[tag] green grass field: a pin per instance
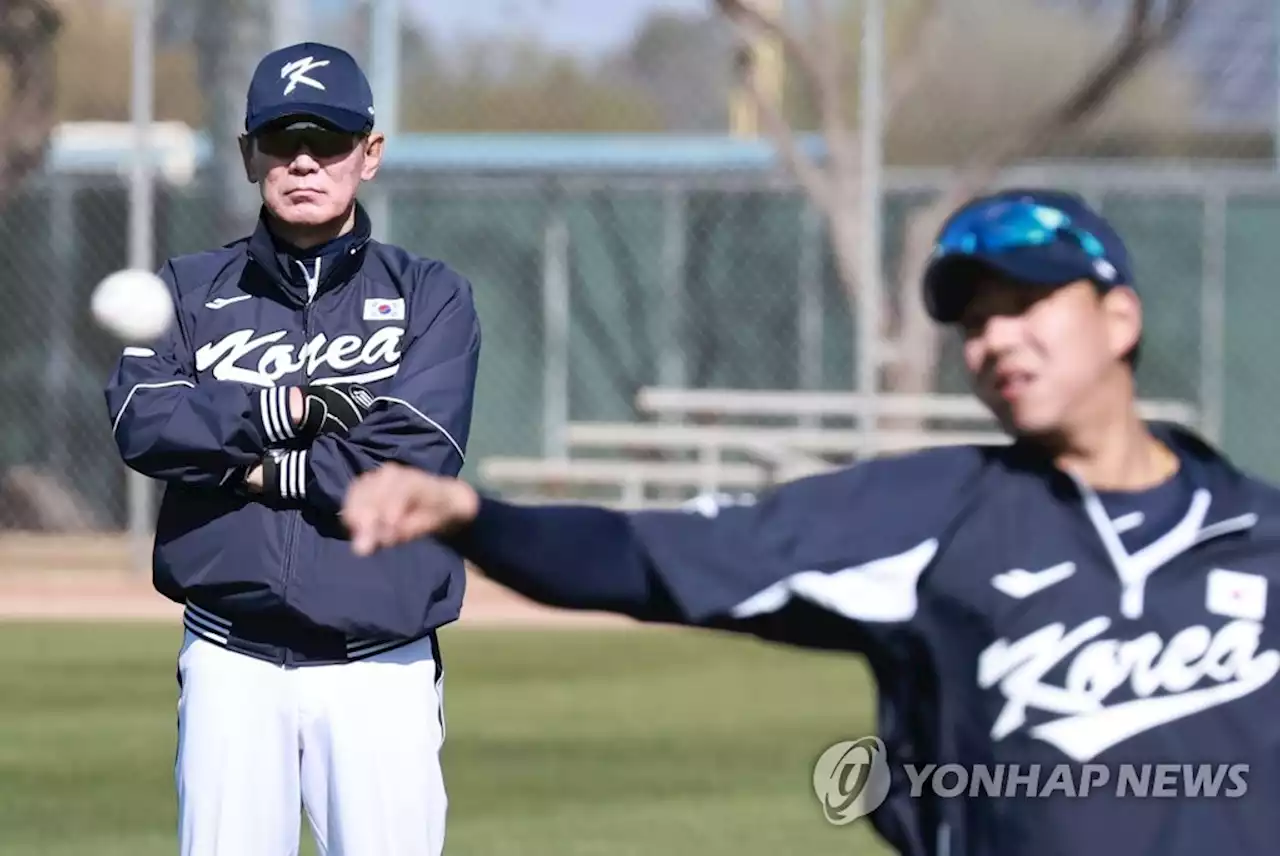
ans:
(559, 742)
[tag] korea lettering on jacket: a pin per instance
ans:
(197, 409)
(1010, 614)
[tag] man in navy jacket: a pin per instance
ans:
(1058, 617)
(303, 356)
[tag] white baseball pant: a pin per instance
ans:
(354, 745)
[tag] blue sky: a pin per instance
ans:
(581, 24)
(588, 25)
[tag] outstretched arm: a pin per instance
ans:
(573, 557)
(801, 564)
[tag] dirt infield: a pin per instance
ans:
(90, 579)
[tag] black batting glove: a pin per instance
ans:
(327, 409)
(284, 474)
(333, 408)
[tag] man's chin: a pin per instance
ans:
(303, 214)
(1032, 427)
(1020, 419)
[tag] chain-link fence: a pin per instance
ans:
(595, 279)
(590, 287)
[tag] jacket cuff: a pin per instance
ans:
(273, 415)
(284, 475)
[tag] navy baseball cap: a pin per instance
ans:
(1041, 238)
(314, 83)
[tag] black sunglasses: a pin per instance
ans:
(321, 143)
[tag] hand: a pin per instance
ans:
(297, 406)
(253, 479)
(395, 504)
(329, 408)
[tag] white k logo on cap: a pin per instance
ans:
(296, 72)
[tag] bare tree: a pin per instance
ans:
(833, 183)
(28, 29)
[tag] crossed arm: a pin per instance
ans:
(254, 480)
(173, 426)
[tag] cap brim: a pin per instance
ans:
(949, 282)
(320, 115)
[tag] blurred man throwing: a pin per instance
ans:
(1095, 593)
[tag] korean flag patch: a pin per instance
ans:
(1236, 595)
(384, 309)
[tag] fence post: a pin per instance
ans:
(64, 246)
(871, 270)
(810, 316)
(556, 294)
(1213, 316)
(141, 238)
(672, 371)
(384, 61)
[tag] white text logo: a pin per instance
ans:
(1020, 583)
(852, 779)
(297, 70)
(278, 360)
(1042, 781)
(1095, 668)
(223, 302)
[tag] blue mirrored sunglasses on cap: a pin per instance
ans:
(1024, 239)
(1002, 226)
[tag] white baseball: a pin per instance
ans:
(133, 305)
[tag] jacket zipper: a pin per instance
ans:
(295, 517)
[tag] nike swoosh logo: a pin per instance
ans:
(1019, 583)
(220, 302)
(1127, 522)
(1086, 735)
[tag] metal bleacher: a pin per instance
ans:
(689, 442)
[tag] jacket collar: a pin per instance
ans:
(263, 252)
(1233, 494)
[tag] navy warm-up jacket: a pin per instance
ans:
(278, 577)
(1006, 620)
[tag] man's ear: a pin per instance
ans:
(1123, 312)
(246, 155)
(373, 149)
